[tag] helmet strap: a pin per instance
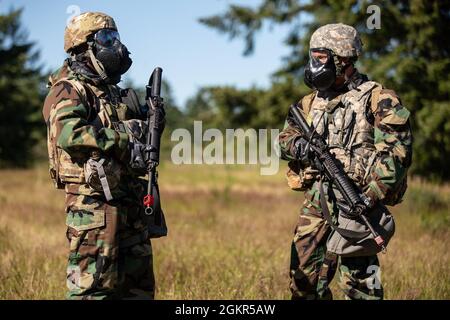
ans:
(340, 66)
(98, 66)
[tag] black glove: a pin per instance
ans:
(369, 198)
(302, 150)
(137, 155)
(161, 116)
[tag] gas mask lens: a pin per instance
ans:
(320, 55)
(106, 37)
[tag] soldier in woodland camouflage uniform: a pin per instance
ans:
(368, 131)
(93, 126)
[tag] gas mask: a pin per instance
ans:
(111, 58)
(322, 76)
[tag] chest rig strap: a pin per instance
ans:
(102, 177)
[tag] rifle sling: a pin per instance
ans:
(326, 213)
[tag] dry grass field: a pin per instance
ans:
(229, 237)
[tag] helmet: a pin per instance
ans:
(80, 27)
(340, 38)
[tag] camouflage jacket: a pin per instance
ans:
(368, 131)
(81, 118)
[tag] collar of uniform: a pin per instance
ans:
(333, 104)
(355, 80)
(81, 69)
(354, 83)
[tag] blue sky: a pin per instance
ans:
(162, 33)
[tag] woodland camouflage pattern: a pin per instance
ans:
(374, 147)
(342, 39)
(80, 27)
(100, 266)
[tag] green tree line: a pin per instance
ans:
(409, 53)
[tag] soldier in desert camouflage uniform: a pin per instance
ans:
(367, 129)
(92, 127)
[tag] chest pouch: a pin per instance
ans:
(102, 175)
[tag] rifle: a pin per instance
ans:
(356, 203)
(154, 101)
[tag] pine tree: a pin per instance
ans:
(21, 124)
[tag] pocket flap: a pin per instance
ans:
(84, 220)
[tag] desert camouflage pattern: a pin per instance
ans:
(342, 39)
(110, 252)
(349, 134)
(300, 177)
(373, 141)
(80, 27)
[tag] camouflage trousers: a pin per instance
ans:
(312, 267)
(108, 258)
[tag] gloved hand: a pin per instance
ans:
(137, 155)
(302, 153)
(159, 114)
(136, 130)
(369, 197)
